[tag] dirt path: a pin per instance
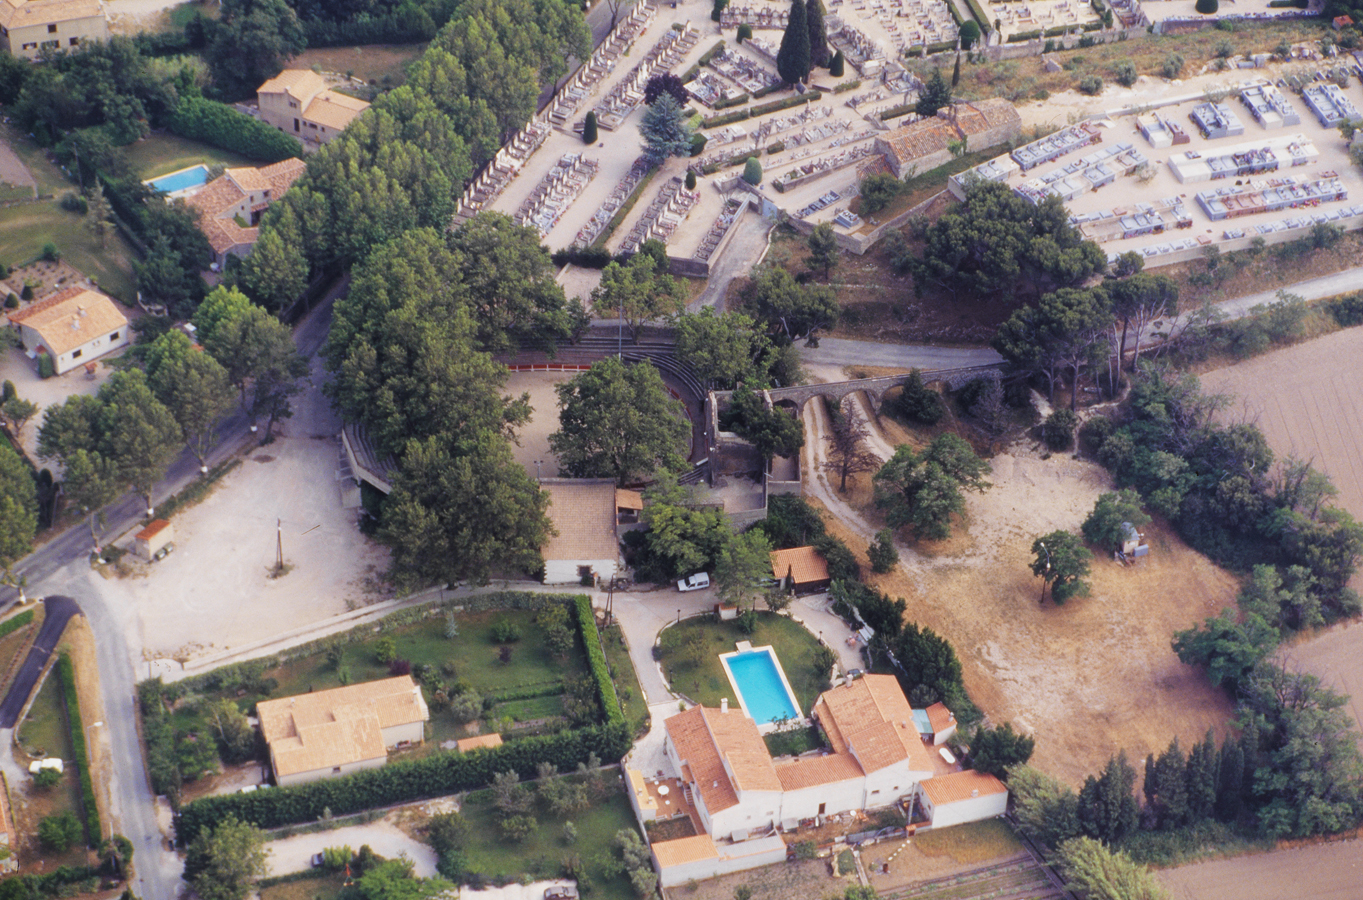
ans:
(1323, 872)
(1087, 679)
(13, 171)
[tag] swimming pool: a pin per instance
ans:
(761, 685)
(178, 181)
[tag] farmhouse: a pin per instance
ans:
(800, 569)
(342, 730)
(74, 326)
(927, 143)
(584, 513)
(298, 101)
(28, 27)
(962, 797)
(231, 205)
(724, 778)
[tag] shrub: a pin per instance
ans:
(1207, 7)
(223, 127)
(385, 651)
(752, 171)
(589, 128)
(47, 778)
(504, 631)
(920, 403)
(50, 252)
(1173, 66)
(12, 301)
(73, 202)
(744, 32)
(877, 191)
(58, 833)
(46, 367)
(1124, 73)
(1058, 430)
(882, 552)
(838, 66)
(596, 660)
(1091, 85)
(690, 180)
(27, 292)
(67, 673)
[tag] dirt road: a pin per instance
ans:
(1322, 872)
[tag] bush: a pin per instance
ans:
(27, 292)
(385, 651)
(690, 180)
(1124, 73)
(920, 403)
(1207, 7)
(589, 128)
(51, 253)
(12, 301)
(596, 660)
(223, 127)
(752, 171)
(67, 674)
(1173, 66)
(744, 32)
(73, 202)
(504, 631)
(46, 367)
(877, 191)
(1091, 85)
(838, 66)
(1058, 430)
(1347, 310)
(58, 833)
(884, 557)
(47, 778)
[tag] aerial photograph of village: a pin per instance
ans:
(681, 449)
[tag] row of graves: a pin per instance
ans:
(601, 64)
(614, 202)
(626, 96)
(483, 190)
(670, 207)
(1042, 15)
(557, 191)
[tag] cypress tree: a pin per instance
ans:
(838, 66)
(1171, 787)
(1202, 779)
(956, 72)
(792, 60)
(589, 128)
(1230, 782)
(818, 34)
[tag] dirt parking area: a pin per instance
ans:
(1321, 872)
(216, 591)
(532, 438)
(1089, 678)
(294, 854)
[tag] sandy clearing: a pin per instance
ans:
(532, 438)
(1089, 678)
(1331, 871)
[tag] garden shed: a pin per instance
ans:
(152, 538)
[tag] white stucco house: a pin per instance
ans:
(584, 515)
(342, 730)
(74, 326)
(298, 102)
(959, 797)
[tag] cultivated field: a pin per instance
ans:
(1087, 679)
(1321, 872)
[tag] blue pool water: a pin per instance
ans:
(178, 181)
(760, 686)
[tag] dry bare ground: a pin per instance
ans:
(1087, 679)
(1321, 872)
(79, 639)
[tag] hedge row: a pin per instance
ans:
(764, 109)
(769, 89)
(1022, 36)
(986, 23)
(57, 883)
(66, 674)
(529, 692)
(731, 101)
(895, 112)
(847, 86)
(225, 128)
(404, 781)
(596, 658)
(9, 626)
(690, 74)
(397, 28)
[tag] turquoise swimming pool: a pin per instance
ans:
(178, 181)
(761, 685)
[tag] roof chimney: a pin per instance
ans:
(724, 705)
(80, 310)
(975, 792)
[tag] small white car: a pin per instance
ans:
(696, 582)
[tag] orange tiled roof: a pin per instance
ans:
(152, 530)
(582, 512)
(301, 84)
(983, 115)
(939, 717)
(70, 318)
(334, 110)
(482, 740)
(685, 850)
(805, 564)
(24, 13)
(919, 139)
(812, 771)
(957, 786)
(706, 738)
(872, 718)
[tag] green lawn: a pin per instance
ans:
(541, 855)
(970, 844)
(24, 229)
(323, 887)
(46, 732)
(159, 154)
(51, 179)
(706, 683)
(625, 678)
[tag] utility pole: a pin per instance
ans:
(279, 545)
(1045, 575)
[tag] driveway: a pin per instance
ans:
(58, 611)
(294, 854)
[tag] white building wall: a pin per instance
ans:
(733, 858)
(970, 810)
(79, 356)
(413, 732)
(887, 785)
(755, 809)
(565, 571)
(838, 797)
(333, 772)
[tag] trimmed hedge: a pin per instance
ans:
(755, 111)
(731, 101)
(596, 658)
(895, 112)
(847, 86)
(1022, 36)
(986, 23)
(66, 673)
(225, 128)
(397, 28)
(406, 780)
(769, 89)
(9, 626)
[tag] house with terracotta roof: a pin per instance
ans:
(28, 27)
(342, 730)
(958, 797)
(585, 544)
(74, 326)
(230, 206)
(298, 102)
(926, 143)
(800, 569)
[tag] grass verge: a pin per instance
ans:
(970, 844)
(162, 153)
(626, 679)
(25, 228)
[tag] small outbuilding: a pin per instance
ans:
(152, 538)
(960, 797)
(1133, 542)
(941, 723)
(73, 326)
(800, 569)
(586, 545)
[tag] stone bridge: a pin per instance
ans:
(875, 388)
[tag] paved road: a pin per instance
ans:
(843, 352)
(58, 611)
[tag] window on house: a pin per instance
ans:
(52, 29)
(77, 354)
(30, 46)
(75, 42)
(114, 336)
(336, 770)
(51, 45)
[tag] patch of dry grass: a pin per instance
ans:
(970, 844)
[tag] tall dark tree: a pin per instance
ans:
(1230, 782)
(1202, 763)
(793, 59)
(772, 432)
(1062, 561)
(665, 83)
(1107, 805)
(819, 54)
(250, 43)
(935, 95)
(996, 750)
(847, 452)
(1171, 787)
(924, 490)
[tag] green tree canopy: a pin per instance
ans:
(1065, 330)
(1095, 872)
(724, 349)
(192, 385)
(275, 272)
(640, 291)
(258, 354)
(1104, 527)
(772, 432)
(18, 506)
(790, 309)
(681, 536)
(223, 863)
(1062, 561)
(823, 243)
(935, 95)
(819, 54)
(997, 750)
(250, 42)
(1046, 809)
(924, 490)
(793, 58)
(618, 421)
(664, 129)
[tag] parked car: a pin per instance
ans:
(165, 551)
(317, 860)
(696, 582)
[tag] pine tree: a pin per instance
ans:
(956, 72)
(1202, 779)
(1230, 782)
(936, 94)
(818, 34)
(1171, 787)
(1107, 807)
(792, 60)
(838, 67)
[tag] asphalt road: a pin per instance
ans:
(842, 352)
(59, 611)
